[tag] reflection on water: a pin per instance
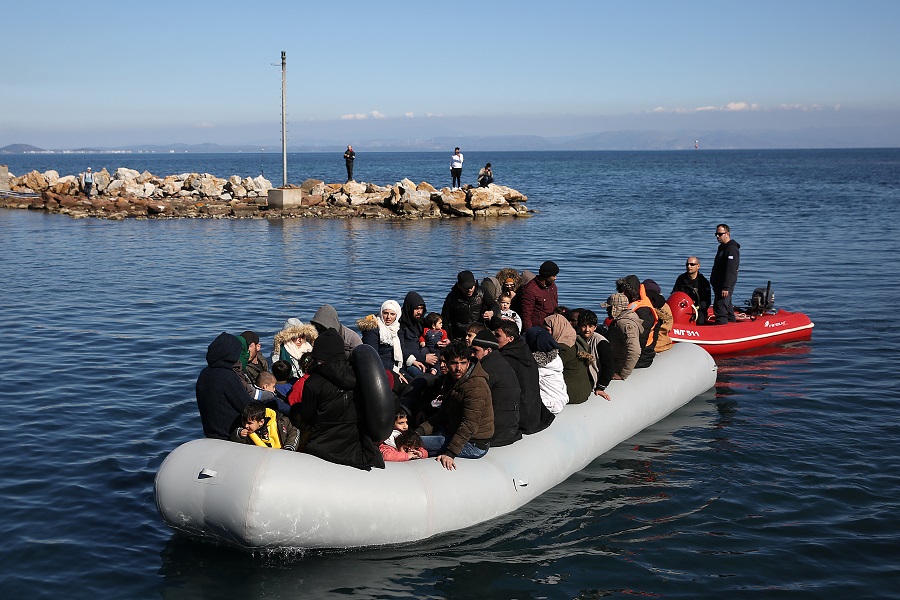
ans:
(782, 478)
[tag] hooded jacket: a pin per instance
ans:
(328, 417)
(460, 311)
(533, 415)
(411, 329)
(327, 318)
(221, 395)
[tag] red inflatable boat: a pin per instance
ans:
(752, 329)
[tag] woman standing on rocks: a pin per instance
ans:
(456, 163)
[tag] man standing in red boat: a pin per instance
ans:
(724, 274)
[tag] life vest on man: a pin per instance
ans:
(644, 302)
(273, 440)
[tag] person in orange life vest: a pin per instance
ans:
(638, 302)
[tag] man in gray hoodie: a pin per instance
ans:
(327, 318)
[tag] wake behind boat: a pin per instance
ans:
(256, 498)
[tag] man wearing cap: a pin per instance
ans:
(624, 335)
(505, 391)
(87, 182)
(466, 304)
(540, 297)
(464, 424)
(256, 363)
(327, 416)
(693, 283)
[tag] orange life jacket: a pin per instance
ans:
(641, 303)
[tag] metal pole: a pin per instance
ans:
(284, 119)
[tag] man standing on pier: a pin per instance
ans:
(349, 157)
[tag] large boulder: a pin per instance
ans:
(125, 174)
(313, 187)
(352, 188)
(34, 181)
(508, 193)
(481, 198)
(454, 202)
(261, 185)
(51, 176)
(101, 180)
(208, 186)
(418, 200)
(68, 185)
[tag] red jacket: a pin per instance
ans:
(538, 303)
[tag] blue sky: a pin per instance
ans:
(116, 73)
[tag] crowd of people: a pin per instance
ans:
(498, 362)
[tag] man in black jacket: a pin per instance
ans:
(505, 390)
(533, 415)
(693, 283)
(467, 303)
(724, 274)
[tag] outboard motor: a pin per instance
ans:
(762, 300)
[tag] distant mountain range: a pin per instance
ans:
(824, 137)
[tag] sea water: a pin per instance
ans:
(782, 481)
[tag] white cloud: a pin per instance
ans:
(741, 107)
(203, 125)
(363, 116)
(409, 115)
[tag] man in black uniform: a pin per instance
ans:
(724, 274)
(693, 283)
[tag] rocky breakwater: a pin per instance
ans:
(130, 194)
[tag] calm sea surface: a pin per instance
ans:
(783, 481)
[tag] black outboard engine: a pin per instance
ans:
(762, 300)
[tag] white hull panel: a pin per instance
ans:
(255, 498)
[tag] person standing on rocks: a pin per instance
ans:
(87, 182)
(349, 157)
(456, 163)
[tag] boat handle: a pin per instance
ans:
(206, 474)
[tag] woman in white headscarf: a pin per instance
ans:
(381, 331)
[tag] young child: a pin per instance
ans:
(267, 382)
(507, 313)
(435, 336)
(284, 379)
(296, 394)
(401, 446)
(263, 426)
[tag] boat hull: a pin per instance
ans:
(778, 328)
(256, 498)
(746, 334)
